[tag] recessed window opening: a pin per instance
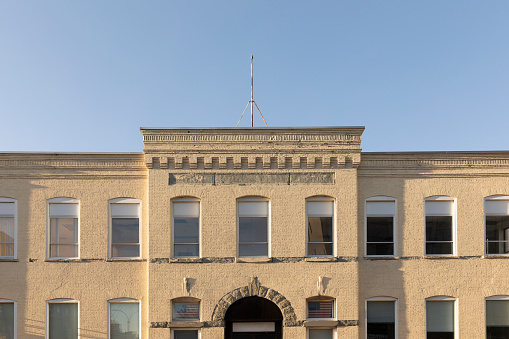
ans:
(440, 318)
(125, 228)
(253, 227)
(320, 226)
(185, 333)
(381, 318)
(62, 321)
(124, 317)
(497, 224)
(320, 308)
(439, 225)
(8, 221)
(321, 333)
(186, 227)
(7, 319)
(380, 226)
(186, 309)
(63, 228)
(497, 317)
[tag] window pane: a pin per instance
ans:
(321, 309)
(186, 230)
(439, 207)
(7, 208)
(64, 251)
(381, 319)
(63, 210)
(64, 230)
(440, 316)
(125, 230)
(182, 334)
(186, 311)
(320, 229)
(380, 229)
(320, 208)
(63, 320)
(500, 207)
(186, 209)
(253, 250)
(254, 209)
(439, 248)
(497, 313)
(439, 228)
(125, 210)
(380, 207)
(319, 249)
(380, 249)
(253, 229)
(7, 320)
(7, 236)
(186, 250)
(320, 334)
(124, 320)
(497, 234)
(125, 251)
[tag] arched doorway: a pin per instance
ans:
(253, 318)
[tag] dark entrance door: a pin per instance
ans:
(253, 318)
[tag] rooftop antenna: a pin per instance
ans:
(252, 102)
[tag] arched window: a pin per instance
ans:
(63, 228)
(380, 226)
(62, 319)
(497, 317)
(8, 228)
(253, 227)
(440, 225)
(381, 317)
(441, 317)
(320, 226)
(186, 227)
(125, 235)
(124, 318)
(496, 210)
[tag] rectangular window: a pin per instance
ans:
(63, 229)
(186, 228)
(253, 223)
(439, 227)
(381, 319)
(185, 334)
(7, 228)
(125, 229)
(497, 225)
(62, 320)
(7, 320)
(327, 333)
(380, 228)
(124, 320)
(320, 224)
(320, 309)
(497, 319)
(186, 311)
(440, 319)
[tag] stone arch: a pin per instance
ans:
(254, 289)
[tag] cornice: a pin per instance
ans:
(421, 161)
(72, 161)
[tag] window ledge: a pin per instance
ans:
(62, 260)
(8, 260)
(496, 256)
(320, 259)
(253, 260)
(320, 323)
(441, 257)
(125, 260)
(186, 324)
(380, 258)
(185, 260)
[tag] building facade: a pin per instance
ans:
(254, 233)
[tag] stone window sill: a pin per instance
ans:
(320, 323)
(321, 259)
(253, 260)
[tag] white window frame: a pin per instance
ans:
(7, 301)
(172, 336)
(394, 224)
(128, 301)
(444, 298)
(48, 222)
(495, 297)
(110, 221)
(334, 330)
(322, 198)
(317, 298)
(10, 200)
(61, 301)
(454, 227)
(254, 199)
(185, 200)
(486, 200)
(375, 299)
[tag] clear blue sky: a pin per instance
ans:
(79, 76)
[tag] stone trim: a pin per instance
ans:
(218, 179)
(231, 260)
(254, 288)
